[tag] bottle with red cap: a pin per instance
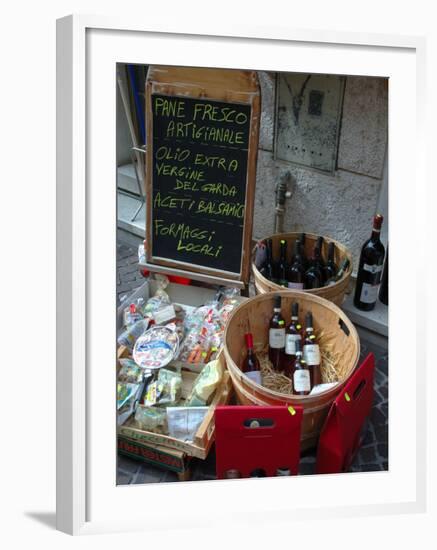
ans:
(250, 366)
(370, 269)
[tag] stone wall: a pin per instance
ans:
(340, 205)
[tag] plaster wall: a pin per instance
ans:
(340, 205)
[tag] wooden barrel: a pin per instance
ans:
(334, 293)
(253, 316)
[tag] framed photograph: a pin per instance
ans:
(210, 185)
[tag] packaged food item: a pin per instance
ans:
(159, 300)
(194, 321)
(151, 419)
(226, 310)
(205, 385)
(195, 346)
(126, 394)
(165, 390)
(162, 281)
(177, 325)
(132, 313)
(141, 253)
(132, 333)
(130, 372)
(156, 347)
(183, 422)
(230, 302)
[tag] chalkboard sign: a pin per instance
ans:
(198, 153)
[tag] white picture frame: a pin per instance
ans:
(88, 500)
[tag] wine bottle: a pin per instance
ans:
(313, 275)
(268, 269)
(311, 351)
(341, 271)
(302, 240)
(383, 291)
(250, 366)
(330, 268)
(318, 257)
(370, 268)
(282, 265)
(292, 334)
(296, 270)
(277, 336)
(301, 374)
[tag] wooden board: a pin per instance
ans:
(202, 136)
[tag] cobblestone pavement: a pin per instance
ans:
(372, 456)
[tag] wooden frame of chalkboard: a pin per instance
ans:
(202, 145)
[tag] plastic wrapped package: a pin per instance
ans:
(194, 321)
(132, 313)
(183, 422)
(157, 302)
(151, 419)
(177, 325)
(126, 394)
(130, 335)
(229, 303)
(141, 254)
(194, 345)
(205, 385)
(165, 390)
(130, 372)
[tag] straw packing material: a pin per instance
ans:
(332, 369)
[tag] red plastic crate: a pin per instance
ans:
(251, 438)
(340, 437)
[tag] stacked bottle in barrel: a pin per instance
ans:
(303, 273)
(293, 350)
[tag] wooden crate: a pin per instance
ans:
(158, 455)
(205, 435)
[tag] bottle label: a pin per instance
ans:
(290, 343)
(372, 274)
(301, 380)
(369, 293)
(277, 338)
(298, 286)
(254, 375)
(311, 354)
(372, 268)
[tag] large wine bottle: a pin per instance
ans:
(296, 270)
(370, 268)
(277, 336)
(314, 276)
(311, 351)
(250, 365)
(330, 269)
(282, 265)
(268, 269)
(292, 333)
